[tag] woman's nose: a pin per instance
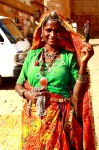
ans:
(53, 34)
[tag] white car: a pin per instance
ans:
(13, 48)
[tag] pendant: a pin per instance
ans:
(43, 82)
(36, 63)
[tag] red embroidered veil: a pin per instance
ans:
(73, 42)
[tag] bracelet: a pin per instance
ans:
(21, 92)
(31, 92)
(80, 81)
(82, 78)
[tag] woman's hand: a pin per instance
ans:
(32, 96)
(87, 52)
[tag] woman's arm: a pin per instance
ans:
(87, 53)
(19, 88)
(29, 95)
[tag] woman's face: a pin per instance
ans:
(52, 33)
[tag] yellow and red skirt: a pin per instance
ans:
(57, 130)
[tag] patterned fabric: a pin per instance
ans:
(57, 130)
(73, 42)
(59, 135)
(10, 131)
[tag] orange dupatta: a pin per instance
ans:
(73, 42)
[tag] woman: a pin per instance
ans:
(52, 81)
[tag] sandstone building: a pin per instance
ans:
(24, 12)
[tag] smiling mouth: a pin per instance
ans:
(53, 40)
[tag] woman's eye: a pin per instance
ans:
(48, 30)
(58, 31)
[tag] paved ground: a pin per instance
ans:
(94, 71)
(11, 103)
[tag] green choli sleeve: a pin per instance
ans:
(23, 75)
(24, 72)
(63, 73)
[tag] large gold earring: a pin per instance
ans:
(42, 38)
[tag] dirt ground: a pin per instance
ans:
(11, 103)
(94, 72)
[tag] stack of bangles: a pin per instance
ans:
(82, 78)
(31, 92)
(21, 92)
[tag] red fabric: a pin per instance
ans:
(58, 129)
(72, 41)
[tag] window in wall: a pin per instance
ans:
(37, 14)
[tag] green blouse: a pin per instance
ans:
(61, 77)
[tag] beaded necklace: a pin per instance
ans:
(49, 56)
(45, 55)
(44, 69)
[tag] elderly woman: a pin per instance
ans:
(53, 81)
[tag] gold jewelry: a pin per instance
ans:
(80, 81)
(21, 92)
(82, 78)
(42, 38)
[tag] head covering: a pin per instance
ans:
(72, 41)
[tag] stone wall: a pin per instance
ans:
(22, 14)
(62, 6)
(18, 5)
(83, 10)
(80, 11)
(27, 2)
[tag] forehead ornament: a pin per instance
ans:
(53, 15)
